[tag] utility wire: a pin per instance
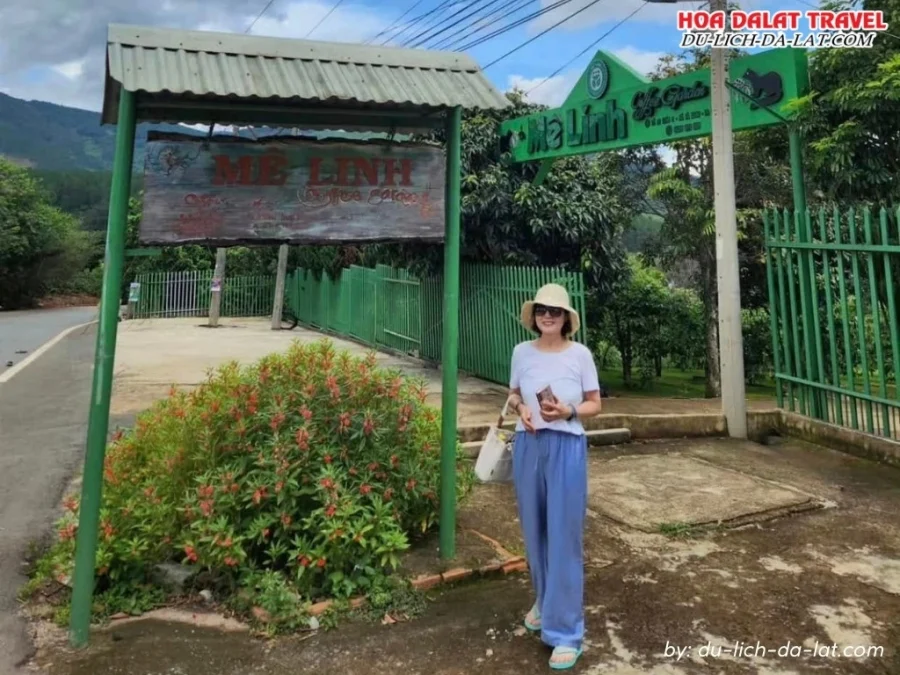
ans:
(543, 32)
(395, 22)
(475, 10)
(448, 43)
(484, 22)
(585, 50)
(515, 24)
(433, 25)
(322, 20)
(434, 12)
(259, 16)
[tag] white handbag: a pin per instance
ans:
(494, 464)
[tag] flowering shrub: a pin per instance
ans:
(312, 463)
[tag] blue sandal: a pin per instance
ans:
(564, 651)
(533, 619)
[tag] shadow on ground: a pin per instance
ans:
(806, 558)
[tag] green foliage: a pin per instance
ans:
(633, 319)
(307, 474)
(41, 247)
(575, 219)
(849, 119)
(648, 326)
(757, 340)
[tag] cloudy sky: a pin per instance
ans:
(53, 50)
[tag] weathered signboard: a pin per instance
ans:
(227, 190)
(613, 107)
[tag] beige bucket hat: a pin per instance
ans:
(550, 295)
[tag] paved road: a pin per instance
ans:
(43, 426)
(27, 330)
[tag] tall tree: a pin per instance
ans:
(41, 247)
(686, 192)
(850, 118)
(575, 218)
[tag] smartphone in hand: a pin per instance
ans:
(546, 395)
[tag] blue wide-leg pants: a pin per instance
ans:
(550, 475)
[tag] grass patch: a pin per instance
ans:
(677, 530)
(675, 383)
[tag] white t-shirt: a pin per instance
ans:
(569, 373)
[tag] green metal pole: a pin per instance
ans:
(806, 270)
(98, 420)
(450, 351)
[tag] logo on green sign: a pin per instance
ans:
(598, 79)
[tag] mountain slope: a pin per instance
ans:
(57, 138)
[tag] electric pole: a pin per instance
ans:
(731, 342)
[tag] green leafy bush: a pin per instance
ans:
(313, 464)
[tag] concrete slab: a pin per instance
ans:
(649, 491)
(153, 354)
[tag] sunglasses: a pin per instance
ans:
(555, 312)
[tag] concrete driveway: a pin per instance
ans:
(21, 333)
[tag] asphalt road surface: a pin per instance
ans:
(43, 423)
(23, 332)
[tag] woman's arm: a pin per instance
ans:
(515, 400)
(591, 406)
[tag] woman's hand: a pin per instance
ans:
(525, 416)
(553, 411)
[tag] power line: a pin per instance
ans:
(394, 22)
(438, 9)
(543, 32)
(474, 11)
(259, 16)
(585, 50)
(322, 20)
(515, 24)
(448, 41)
(456, 13)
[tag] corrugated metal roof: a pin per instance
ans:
(204, 65)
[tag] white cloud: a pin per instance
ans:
(553, 91)
(63, 41)
(608, 10)
(642, 61)
(70, 69)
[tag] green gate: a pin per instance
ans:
(833, 288)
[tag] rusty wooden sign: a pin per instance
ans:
(228, 190)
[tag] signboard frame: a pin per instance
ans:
(228, 190)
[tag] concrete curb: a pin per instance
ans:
(6, 376)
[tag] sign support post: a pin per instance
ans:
(731, 342)
(450, 349)
(281, 273)
(101, 390)
(215, 302)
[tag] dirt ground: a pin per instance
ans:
(801, 561)
(151, 355)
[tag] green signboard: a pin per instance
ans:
(614, 107)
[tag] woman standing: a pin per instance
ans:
(550, 465)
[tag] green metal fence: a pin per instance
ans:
(833, 288)
(174, 294)
(388, 308)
